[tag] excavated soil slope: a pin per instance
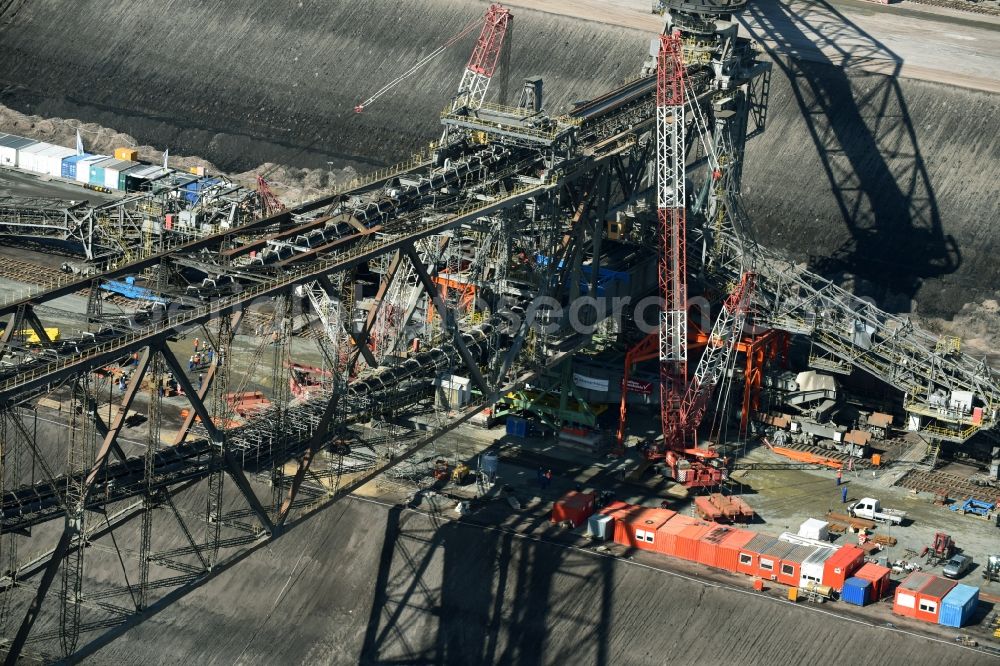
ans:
(892, 177)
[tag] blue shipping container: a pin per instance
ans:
(517, 426)
(856, 591)
(958, 606)
(69, 165)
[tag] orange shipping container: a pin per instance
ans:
(727, 555)
(879, 577)
(750, 553)
(613, 507)
(687, 541)
(708, 545)
(129, 154)
(842, 566)
(638, 528)
(575, 507)
(770, 559)
(930, 596)
(666, 536)
(905, 601)
(790, 569)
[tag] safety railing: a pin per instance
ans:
(941, 432)
(490, 125)
(385, 173)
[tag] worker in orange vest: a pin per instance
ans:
(840, 476)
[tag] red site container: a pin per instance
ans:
(749, 557)
(638, 527)
(879, 578)
(687, 541)
(575, 507)
(905, 601)
(666, 536)
(930, 596)
(842, 566)
(727, 553)
(790, 568)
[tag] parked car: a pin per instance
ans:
(957, 566)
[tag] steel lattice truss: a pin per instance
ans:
(455, 237)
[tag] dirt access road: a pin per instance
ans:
(905, 39)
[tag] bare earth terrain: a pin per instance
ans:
(912, 40)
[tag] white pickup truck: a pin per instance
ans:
(870, 508)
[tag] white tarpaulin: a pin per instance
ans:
(590, 383)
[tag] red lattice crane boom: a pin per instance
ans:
(670, 202)
(484, 59)
(269, 203)
(480, 68)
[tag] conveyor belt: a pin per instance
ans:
(614, 100)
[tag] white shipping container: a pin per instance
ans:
(9, 147)
(83, 167)
(110, 176)
(52, 160)
(811, 570)
(27, 158)
(813, 528)
(42, 160)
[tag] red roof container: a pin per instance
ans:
(727, 555)
(687, 541)
(749, 558)
(638, 527)
(789, 570)
(666, 536)
(930, 596)
(842, 566)
(879, 578)
(575, 507)
(708, 545)
(614, 507)
(905, 601)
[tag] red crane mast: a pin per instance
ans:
(670, 202)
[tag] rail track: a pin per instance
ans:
(949, 485)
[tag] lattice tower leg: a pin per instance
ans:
(155, 376)
(213, 508)
(82, 438)
(280, 397)
(13, 446)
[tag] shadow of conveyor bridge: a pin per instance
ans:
(471, 593)
(865, 139)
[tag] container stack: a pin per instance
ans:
(121, 173)
(737, 550)
(934, 599)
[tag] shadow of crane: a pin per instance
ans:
(864, 137)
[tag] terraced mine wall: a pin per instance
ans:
(890, 180)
